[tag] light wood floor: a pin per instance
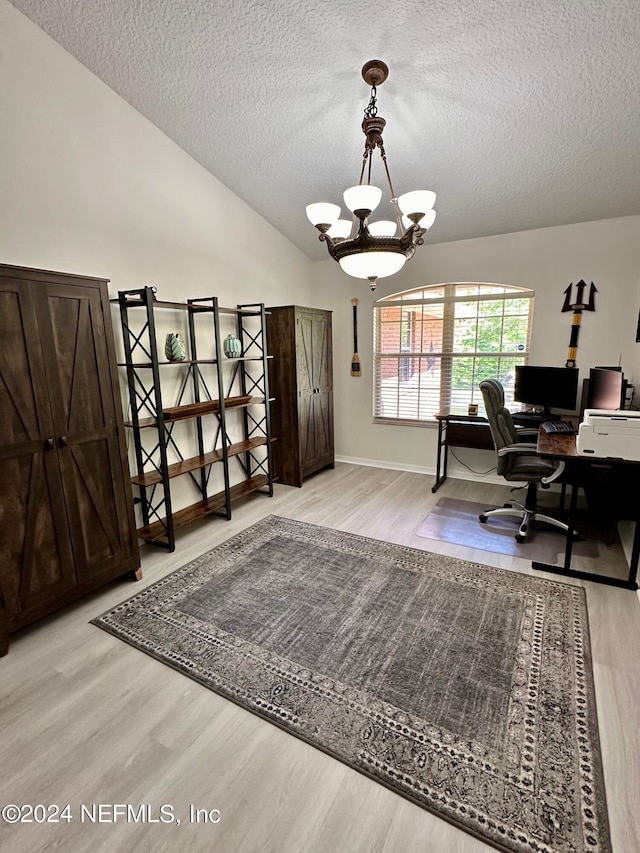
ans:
(84, 718)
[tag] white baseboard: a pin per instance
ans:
(454, 474)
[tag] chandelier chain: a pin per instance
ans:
(371, 109)
(365, 157)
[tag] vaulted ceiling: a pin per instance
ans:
(518, 113)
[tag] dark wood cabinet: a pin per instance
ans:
(66, 516)
(301, 381)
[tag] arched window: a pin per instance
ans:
(433, 345)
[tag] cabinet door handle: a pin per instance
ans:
(49, 443)
(62, 441)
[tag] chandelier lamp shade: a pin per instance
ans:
(363, 247)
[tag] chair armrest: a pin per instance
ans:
(555, 475)
(521, 447)
(527, 434)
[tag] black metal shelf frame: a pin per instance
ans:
(254, 376)
(145, 398)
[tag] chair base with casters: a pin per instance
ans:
(527, 513)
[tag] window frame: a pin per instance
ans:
(447, 297)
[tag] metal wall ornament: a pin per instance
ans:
(577, 307)
(366, 249)
(356, 369)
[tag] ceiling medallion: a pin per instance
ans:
(366, 249)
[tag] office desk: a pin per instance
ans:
(577, 473)
(469, 431)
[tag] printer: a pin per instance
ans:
(608, 433)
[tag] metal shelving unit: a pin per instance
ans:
(206, 400)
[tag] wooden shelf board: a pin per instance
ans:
(246, 487)
(143, 423)
(197, 308)
(206, 407)
(196, 462)
(193, 361)
(160, 363)
(163, 303)
(198, 510)
(244, 358)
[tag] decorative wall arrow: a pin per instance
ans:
(577, 307)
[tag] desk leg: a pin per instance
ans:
(571, 521)
(635, 555)
(442, 442)
(567, 571)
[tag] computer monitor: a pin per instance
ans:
(546, 387)
(606, 388)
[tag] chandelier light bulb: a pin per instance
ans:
(362, 197)
(323, 213)
(372, 264)
(382, 228)
(426, 222)
(340, 230)
(417, 201)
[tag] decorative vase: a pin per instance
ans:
(174, 347)
(232, 347)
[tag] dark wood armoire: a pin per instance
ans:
(66, 514)
(301, 381)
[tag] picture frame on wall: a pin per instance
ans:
(638, 329)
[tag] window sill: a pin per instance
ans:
(430, 424)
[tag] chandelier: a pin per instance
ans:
(366, 249)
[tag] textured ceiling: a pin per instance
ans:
(518, 113)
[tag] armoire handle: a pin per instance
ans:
(62, 441)
(49, 442)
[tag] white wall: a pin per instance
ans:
(87, 185)
(546, 260)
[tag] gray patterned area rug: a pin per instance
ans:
(465, 688)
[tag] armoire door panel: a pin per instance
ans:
(24, 413)
(323, 375)
(304, 354)
(92, 506)
(306, 427)
(70, 318)
(324, 424)
(71, 321)
(37, 560)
